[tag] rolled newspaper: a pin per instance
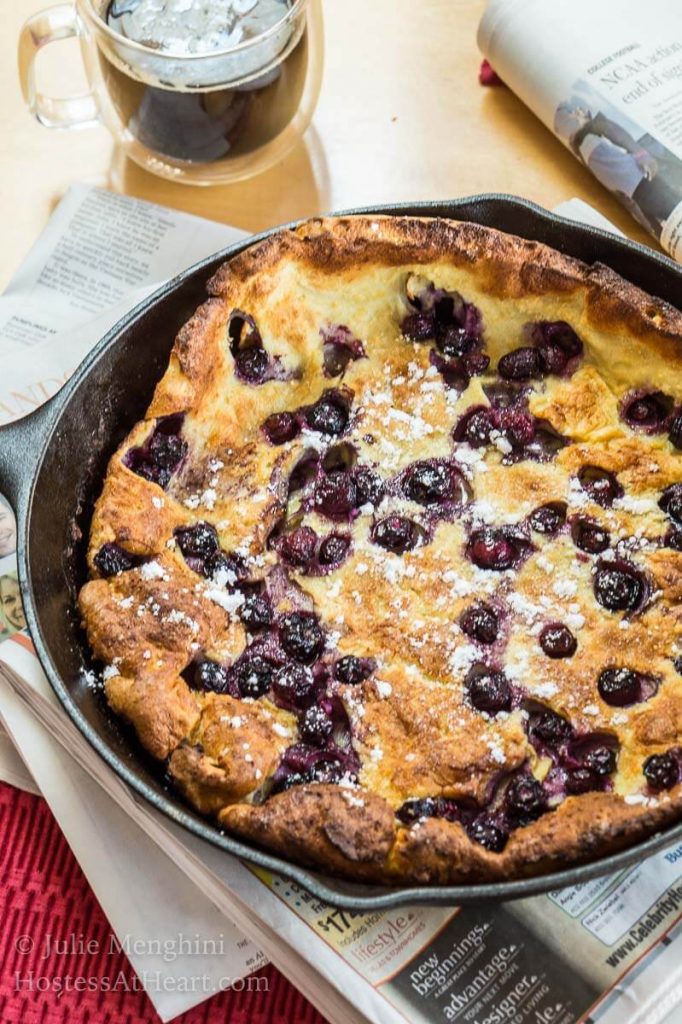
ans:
(606, 78)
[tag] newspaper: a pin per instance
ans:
(606, 78)
(607, 951)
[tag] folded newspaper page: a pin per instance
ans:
(606, 951)
(606, 78)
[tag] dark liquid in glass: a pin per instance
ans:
(200, 125)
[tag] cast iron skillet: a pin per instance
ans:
(52, 464)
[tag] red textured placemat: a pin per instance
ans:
(43, 891)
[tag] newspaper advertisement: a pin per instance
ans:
(606, 78)
(606, 951)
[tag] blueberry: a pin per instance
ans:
(281, 427)
(673, 539)
(524, 800)
(418, 326)
(675, 433)
(453, 370)
(148, 471)
(396, 533)
(475, 426)
(340, 347)
(475, 363)
(301, 636)
(251, 364)
(581, 780)
(557, 641)
(298, 547)
(480, 622)
(253, 675)
(227, 568)
(198, 541)
(255, 613)
(335, 359)
(250, 358)
(647, 412)
(517, 425)
(677, 665)
(287, 780)
(315, 726)
(601, 485)
(590, 536)
(335, 495)
(293, 684)
(619, 586)
(334, 549)
(210, 677)
(300, 758)
(548, 519)
(559, 334)
(488, 835)
(671, 502)
(427, 483)
(431, 483)
(369, 486)
(601, 760)
(661, 771)
(112, 559)
(329, 415)
(330, 770)
(620, 687)
(160, 456)
(520, 364)
(553, 359)
(352, 670)
(492, 548)
(414, 810)
(167, 450)
(550, 728)
(454, 341)
(488, 690)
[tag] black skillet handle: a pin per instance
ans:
(21, 444)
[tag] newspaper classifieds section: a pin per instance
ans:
(610, 929)
(610, 908)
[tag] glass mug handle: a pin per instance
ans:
(59, 22)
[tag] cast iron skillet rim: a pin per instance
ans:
(376, 897)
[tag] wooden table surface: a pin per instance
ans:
(401, 117)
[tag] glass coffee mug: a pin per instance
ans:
(199, 118)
